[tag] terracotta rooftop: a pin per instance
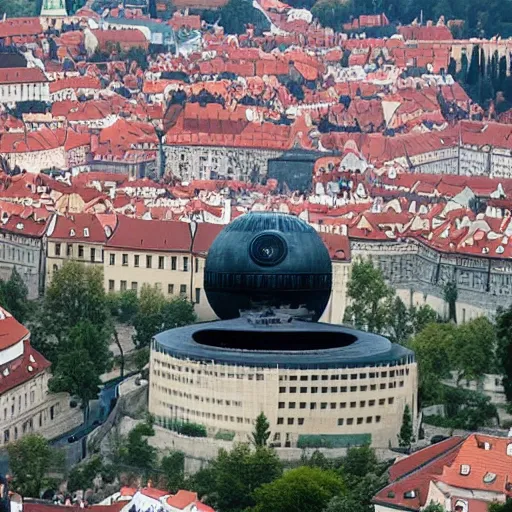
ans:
(21, 75)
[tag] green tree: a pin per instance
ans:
(236, 14)
(261, 431)
(230, 480)
(369, 297)
(14, 296)
(462, 75)
(405, 437)
(331, 13)
(475, 348)
(30, 460)
(173, 469)
(304, 488)
(81, 477)
(135, 452)
(451, 295)
(452, 67)
(434, 348)
(504, 348)
(422, 316)
(358, 462)
(138, 55)
(156, 314)
(399, 325)
(434, 507)
(496, 506)
(502, 72)
(474, 66)
(76, 294)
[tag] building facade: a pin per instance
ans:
(26, 405)
(23, 84)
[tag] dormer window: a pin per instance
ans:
(465, 469)
(86, 232)
(410, 495)
(489, 478)
(6, 372)
(72, 232)
(509, 449)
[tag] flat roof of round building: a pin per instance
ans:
(291, 345)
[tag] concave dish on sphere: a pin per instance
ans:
(267, 260)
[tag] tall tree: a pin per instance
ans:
(434, 348)
(304, 488)
(475, 348)
(31, 459)
(400, 327)
(173, 469)
(451, 295)
(405, 437)
(452, 67)
(331, 13)
(14, 296)
(422, 316)
(474, 66)
(496, 506)
(504, 352)
(369, 297)
(261, 431)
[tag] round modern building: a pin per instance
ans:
(318, 384)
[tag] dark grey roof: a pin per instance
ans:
(367, 349)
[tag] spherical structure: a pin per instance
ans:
(267, 259)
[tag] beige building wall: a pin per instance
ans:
(366, 400)
(31, 408)
(335, 309)
(59, 251)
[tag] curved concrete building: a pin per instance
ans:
(318, 384)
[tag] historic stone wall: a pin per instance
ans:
(417, 271)
(206, 162)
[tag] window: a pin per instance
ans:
(290, 421)
(198, 295)
(314, 377)
(334, 390)
(80, 251)
(391, 400)
(343, 405)
(291, 405)
(293, 390)
(183, 289)
(350, 421)
(55, 268)
(185, 263)
(377, 419)
(112, 259)
(160, 262)
(371, 403)
(382, 401)
(303, 377)
(57, 249)
(52, 412)
(303, 390)
(149, 261)
(125, 260)
(93, 254)
(111, 285)
(69, 250)
(340, 422)
(323, 405)
(282, 389)
(280, 421)
(352, 404)
(333, 405)
(312, 405)
(300, 421)
(343, 389)
(353, 389)
(6, 436)
(134, 286)
(325, 377)
(197, 265)
(314, 390)
(170, 289)
(173, 262)
(359, 421)
(281, 405)
(465, 469)
(363, 388)
(324, 390)
(136, 260)
(383, 386)
(123, 286)
(353, 376)
(362, 403)
(302, 405)
(369, 419)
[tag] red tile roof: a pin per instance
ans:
(76, 82)
(204, 237)
(20, 27)
(11, 331)
(151, 235)
(22, 369)
(21, 76)
(337, 245)
(182, 499)
(73, 228)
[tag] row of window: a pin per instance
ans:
(341, 389)
(187, 413)
(160, 262)
(134, 285)
(81, 252)
(334, 405)
(344, 376)
(15, 254)
(341, 421)
(213, 401)
(177, 378)
(28, 426)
